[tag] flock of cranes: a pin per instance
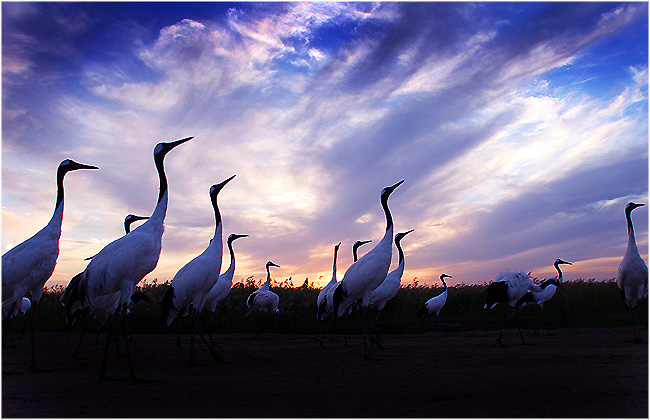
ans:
(105, 289)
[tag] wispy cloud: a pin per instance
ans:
(316, 107)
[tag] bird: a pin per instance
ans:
(220, 290)
(73, 298)
(112, 274)
(369, 271)
(28, 265)
(391, 284)
(436, 303)
(192, 283)
(323, 305)
(508, 287)
(356, 246)
(263, 300)
(632, 276)
(549, 287)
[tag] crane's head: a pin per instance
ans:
(389, 190)
(271, 264)
(357, 244)
(336, 247)
(631, 206)
(561, 261)
(163, 148)
(401, 235)
(68, 165)
(443, 275)
(234, 236)
(214, 190)
(129, 219)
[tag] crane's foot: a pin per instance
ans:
(499, 343)
(75, 356)
(370, 359)
(381, 347)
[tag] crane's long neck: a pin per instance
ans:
(445, 283)
(159, 213)
(267, 284)
(631, 241)
(354, 252)
(56, 221)
(559, 272)
(389, 218)
(336, 251)
(217, 220)
(231, 267)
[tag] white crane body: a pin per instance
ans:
(30, 264)
(632, 276)
(193, 281)
(263, 299)
(436, 303)
(369, 271)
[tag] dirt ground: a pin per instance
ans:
(573, 373)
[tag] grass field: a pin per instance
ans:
(583, 303)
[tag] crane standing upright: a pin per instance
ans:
(112, 274)
(632, 276)
(27, 266)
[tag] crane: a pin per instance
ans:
(220, 290)
(192, 283)
(263, 300)
(391, 284)
(322, 304)
(74, 301)
(632, 276)
(368, 272)
(549, 287)
(112, 274)
(27, 266)
(436, 303)
(508, 287)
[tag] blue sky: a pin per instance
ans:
(520, 130)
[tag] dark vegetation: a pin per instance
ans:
(584, 303)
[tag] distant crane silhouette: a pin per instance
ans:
(632, 277)
(436, 303)
(368, 272)
(549, 286)
(112, 274)
(263, 300)
(28, 265)
(508, 287)
(192, 283)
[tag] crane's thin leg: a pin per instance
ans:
(75, 354)
(32, 365)
(364, 324)
(102, 370)
(514, 315)
(503, 323)
(637, 326)
(125, 330)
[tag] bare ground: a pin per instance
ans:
(573, 373)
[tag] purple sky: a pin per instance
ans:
(520, 130)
